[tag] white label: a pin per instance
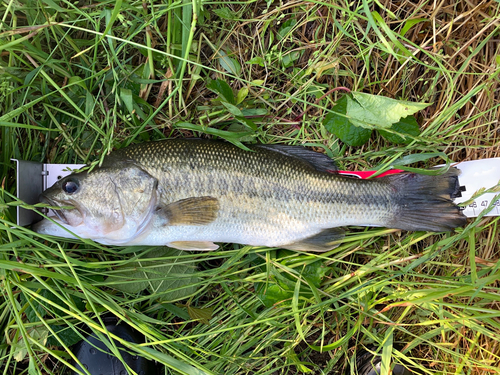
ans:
(477, 174)
(54, 172)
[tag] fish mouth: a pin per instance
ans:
(59, 213)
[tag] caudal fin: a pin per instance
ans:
(425, 202)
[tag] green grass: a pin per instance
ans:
(78, 79)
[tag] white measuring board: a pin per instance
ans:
(54, 172)
(34, 178)
(477, 174)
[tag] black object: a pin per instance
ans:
(369, 364)
(97, 359)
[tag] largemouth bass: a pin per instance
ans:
(189, 194)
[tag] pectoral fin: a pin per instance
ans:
(193, 245)
(190, 211)
(325, 240)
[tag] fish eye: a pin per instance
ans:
(70, 186)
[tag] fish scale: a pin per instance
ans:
(276, 196)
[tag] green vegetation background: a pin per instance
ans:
(78, 79)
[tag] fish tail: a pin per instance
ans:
(425, 202)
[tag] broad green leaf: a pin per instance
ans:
(221, 88)
(280, 289)
(254, 112)
(225, 13)
(95, 307)
(176, 287)
(271, 293)
(337, 123)
(286, 27)
(32, 367)
(66, 334)
(240, 127)
(128, 280)
(42, 307)
(257, 82)
(75, 80)
(314, 272)
(247, 122)
(378, 112)
(242, 94)
(169, 278)
(407, 125)
(38, 334)
(257, 60)
(126, 97)
(177, 311)
(21, 351)
(316, 90)
(33, 307)
(202, 314)
(89, 103)
(229, 64)
(289, 59)
(232, 109)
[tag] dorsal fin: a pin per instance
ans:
(317, 160)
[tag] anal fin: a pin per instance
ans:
(193, 245)
(325, 240)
